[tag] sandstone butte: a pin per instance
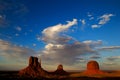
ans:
(60, 70)
(93, 68)
(35, 70)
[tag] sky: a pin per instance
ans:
(68, 32)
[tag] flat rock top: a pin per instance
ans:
(92, 65)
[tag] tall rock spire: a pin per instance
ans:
(40, 62)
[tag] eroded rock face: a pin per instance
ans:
(36, 63)
(34, 69)
(60, 70)
(31, 61)
(93, 68)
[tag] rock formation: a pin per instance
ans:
(93, 68)
(92, 65)
(34, 69)
(60, 70)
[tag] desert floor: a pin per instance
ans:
(13, 75)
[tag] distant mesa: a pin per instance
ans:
(60, 70)
(93, 68)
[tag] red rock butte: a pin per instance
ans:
(92, 65)
(93, 68)
(60, 70)
(34, 69)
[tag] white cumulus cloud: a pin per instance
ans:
(61, 48)
(51, 34)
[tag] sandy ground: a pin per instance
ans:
(13, 75)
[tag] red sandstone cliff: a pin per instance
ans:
(34, 69)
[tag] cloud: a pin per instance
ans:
(65, 53)
(93, 43)
(38, 37)
(17, 11)
(13, 7)
(79, 60)
(108, 48)
(95, 57)
(90, 16)
(18, 28)
(95, 26)
(61, 48)
(83, 21)
(6, 36)
(34, 45)
(3, 21)
(104, 18)
(113, 58)
(14, 54)
(109, 63)
(51, 34)
(16, 35)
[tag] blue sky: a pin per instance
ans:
(68, 32)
